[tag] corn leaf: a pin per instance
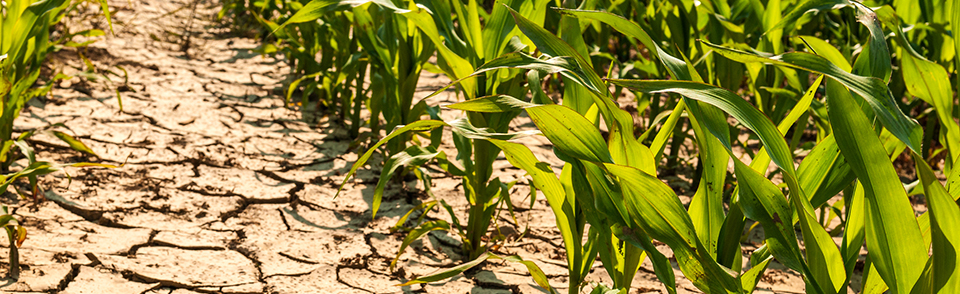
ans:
(317, 8)
(854, 234)
(492, 104)
(873, 90)
(418, 126)
(750, 278)
(546, 181)
(73, 142)
(891, 229)
(803, 8)
(412, 156)
(730, 103)
(447, 273)
(955, 24)
(944, 219)
(827, 51)
(926, 80)
(953, 180)
(571, 132)
(822, 254)
(661, 215)
(762, 201)
(459, 67)
(437, 225)
(535, 272)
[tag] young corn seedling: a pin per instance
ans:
(25, 29)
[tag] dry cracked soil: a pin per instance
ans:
(226, 190)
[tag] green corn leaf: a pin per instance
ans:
(872, 282)
(26, 150)
(927, 80)
(412, 156)
(317, 8)
(750, 278)
(603, 289)
(892, 230)
(762, 201)
(522, 61)
(553, 46)
(807, 6)
(660, 140)
(730, 103)
(661, 265)
(447, 273)
(875, 54)
(415, 155)
(546, 181)
(677, 67)
(39, 168)
(953, 180)
(536, 90)
(823, 255)
(460, 68)
(470, 23)
(463, 127)
(425, 206)
(772, 15)
(945, 218)
(106, 13)
(500, 27)
(625, 149)
(310, 12)
(418, 126)
(20, 22)
(659, 212)
(854, 235)
(619, 23)
(73, 142)
(955, 24)
(824, 172)
(437, 225)
(706, 206)
(930, 82)
(535, 272)
(728, 243)
(762, 160)
(570, 132)
(873, 90)
(492, 104)
(577, 189)
(296, 83)
(575, 96)
(606, 198)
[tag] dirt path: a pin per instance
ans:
(226, 191)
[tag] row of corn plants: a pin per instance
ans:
(29, 31)
(835, 91)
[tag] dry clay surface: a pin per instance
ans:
(225, 190)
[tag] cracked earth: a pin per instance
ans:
(225, 190)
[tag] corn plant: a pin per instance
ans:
(714, 53)
(461, 47)
(25, 30)
(620, 172)
(335, 31)
(651, 211)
